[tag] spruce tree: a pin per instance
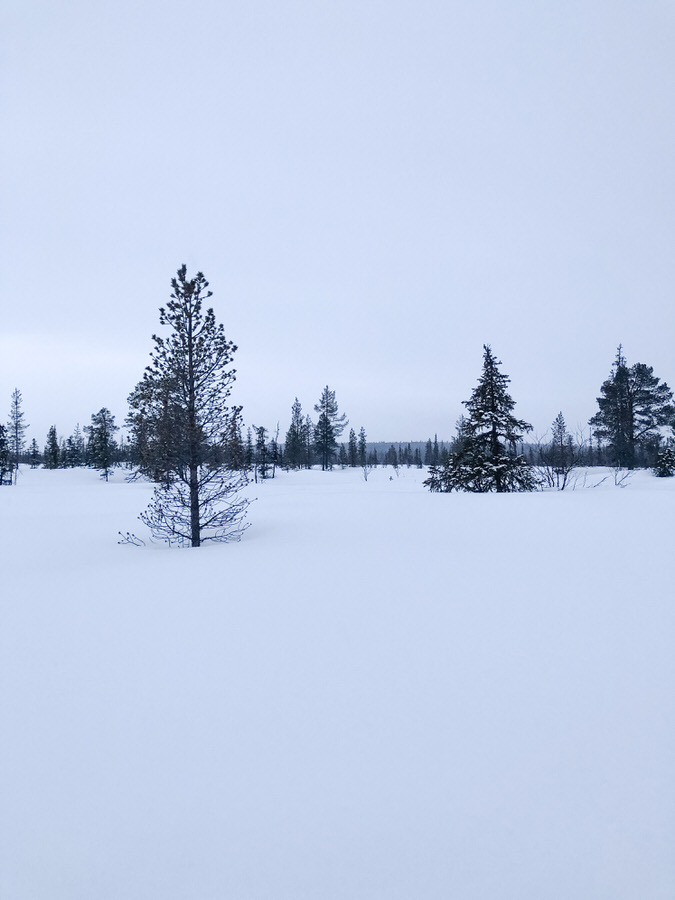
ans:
(363, 447)
(52, 452)
(262, 454)
(664, 466)
(101, 446)
(352, 449)
(180, 416)
(34, 453)
(484, 456)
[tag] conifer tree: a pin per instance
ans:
(235, 449)
(633, 406)
(309, 442)
(428, 454)
(179, 411)
(329, 427)
(52, 452)
(560, 456)
(352, 449)
(296, 438)
(34, 452)
(5, 458)
(484, 458)
(101, 445)
(665, 463)
(16, 430)
(262, 455)
(363, 447)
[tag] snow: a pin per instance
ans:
(378, 693)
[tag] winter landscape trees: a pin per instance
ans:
(101, 446)
(329, 427)
(16, 430)
(484, 457)
(180, 422)
(182, 435)
(634, 405)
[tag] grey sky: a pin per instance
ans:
(373, 189)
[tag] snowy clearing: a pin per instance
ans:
(379, 693)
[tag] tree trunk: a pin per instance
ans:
(194, 505)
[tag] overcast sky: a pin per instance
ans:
(373, 189)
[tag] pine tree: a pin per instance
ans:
(16, 430)
(633, 406)
(484, 457)
(101, 446)
(329, 427)
(52, 452)
(179, 415)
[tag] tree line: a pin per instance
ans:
(185, 437)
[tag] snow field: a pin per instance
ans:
(379, 693)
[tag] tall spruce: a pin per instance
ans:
(51, 458)
(352, 449)
(633, 406)
(101, 444)
(180, 422)
(484, 453)
(363, 447)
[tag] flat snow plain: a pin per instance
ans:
(380, 693)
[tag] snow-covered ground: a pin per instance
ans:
(380, 693)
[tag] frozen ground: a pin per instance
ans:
(379, 693)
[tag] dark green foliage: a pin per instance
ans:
(6, 466)
(262, 454)
(483, 457)
(329, 427)
(295, 445)
(101, 444)
(181, 425)
(52, 452)
(391, 457)
(633, 406)
(665, 463)
(363, 447)
(352, 450)
(34, 454)
(74, 453)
